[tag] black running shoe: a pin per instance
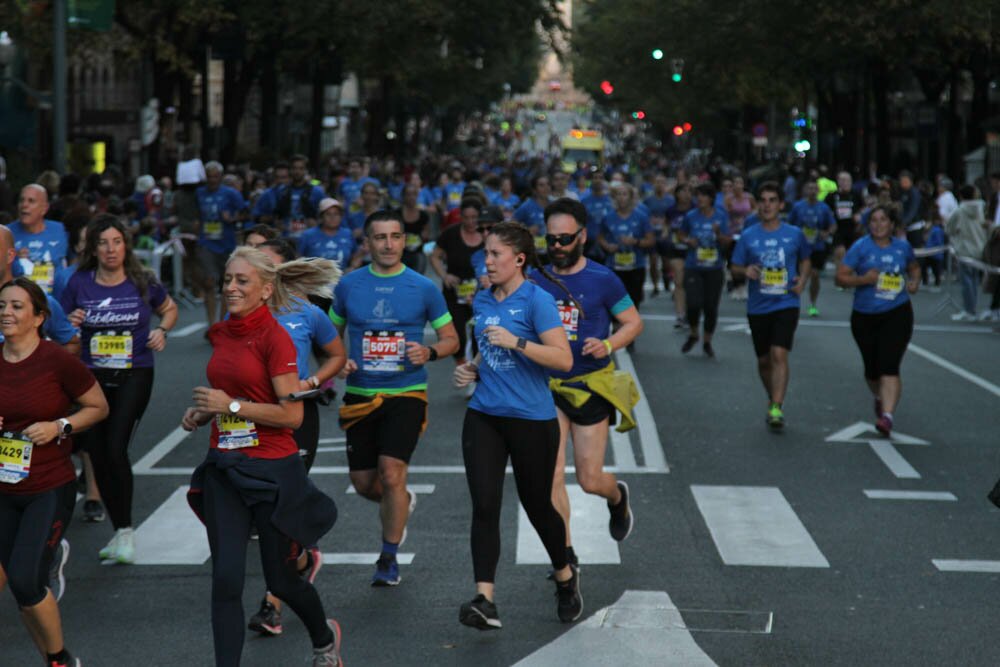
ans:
(479, 613)
(93, 511)
(570, 602)
(267, 621)
(620, 523)
(709, 351)
(688, 344)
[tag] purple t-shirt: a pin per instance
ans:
(116, 328)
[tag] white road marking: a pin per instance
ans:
(957, 370)
(412, 470)
(329, 441)
(330, 449)
(589, 527)
(621, 447)
(861, 432)
(649, 438)
(840, 324)
(756, 526)
(172, 534)
(893, 460)
(879, 494)
(361, 558)
(415, 488)
(641, 628)
(188, 330)
(985, 566)
(745, 328)
(144, 466)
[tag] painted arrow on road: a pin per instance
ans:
(866, 434)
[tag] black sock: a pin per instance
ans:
(61, 656)
(326, 642)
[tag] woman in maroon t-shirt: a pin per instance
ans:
(253, 474)
(37, 479)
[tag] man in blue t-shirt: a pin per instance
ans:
(384, 308)
(349, 189)
(816, 221)
(295, 208)
(41, 245)
(589, 298)
(263, 210)
(531, 213)
(774, 256)
(331, 239)
(219, 207)
(598, 203)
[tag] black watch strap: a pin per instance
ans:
(522, 343)
(433, 353)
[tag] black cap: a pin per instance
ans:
(491, 214)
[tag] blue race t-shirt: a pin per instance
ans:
(116, 328)
(812, 219)
(891, 262)
(339, 246)
(510, 384)
(531, 214)
(614, 227)
(658, 207)
(452, 194)
(382, 314)
(601, 294)
(597, 208)
(217, 234)
(46, 251)
(350, 190)
(478, 261)
(708, 255)
(267, 202)
(508, 203)
(778, 254)
(307, 324)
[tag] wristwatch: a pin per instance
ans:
(433, 353)
(522, 343)
(234, 407)
(313, 382)
(65, 428)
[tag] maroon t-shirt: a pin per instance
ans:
(42, 387)
(242, 366)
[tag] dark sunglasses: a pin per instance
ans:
(483, 229)
(562, 239)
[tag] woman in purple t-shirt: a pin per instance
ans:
(111, 298)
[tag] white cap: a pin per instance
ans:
(328, 202)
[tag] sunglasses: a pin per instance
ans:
(562, 239)
(483, 229)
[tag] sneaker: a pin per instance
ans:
(386, 571)
(480, 613)
(709, 350)
(884, 424)
(93, 511)
(813, 311)
(963, 317)
(57, 581)
(570, 604)
(108, 552)
(329, 656)
(267, 620)
(985, 316)
(254, 534)
(678, 324)
(125, 549)
(314, 561)
(775, 417)
(688, 344)
(620, 523)
(70, 661)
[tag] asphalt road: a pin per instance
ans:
(754, 548)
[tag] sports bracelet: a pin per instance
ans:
(607, 344)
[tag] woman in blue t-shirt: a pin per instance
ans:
(512, 415)
(884, 272)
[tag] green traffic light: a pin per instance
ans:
(657, 54)
(676, 77)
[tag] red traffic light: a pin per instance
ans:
(687, 127)
(639, 114)
(678, 130)
(606, 87)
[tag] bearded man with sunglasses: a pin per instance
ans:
(590, 395)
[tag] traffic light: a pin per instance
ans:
(678, 130)
(657, 54)
(687, 127)
(677, 65)
(606, 87)
(638, 115)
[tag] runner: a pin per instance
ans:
(384, 308)
(774, 256)
(219, 207)
(253, 474)
(704, 233)
(658, 203)
(846, 206)
(296, 207)
(41, 245)
(111, 298)
(452, 262)
(625, 237)
(512, 415)
(331, 239)
(588, 396)
(816, 220)
(418, 229)
(37, 479)
(674, 251)
(531, 213)
(882, 316)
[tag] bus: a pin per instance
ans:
(582, 146)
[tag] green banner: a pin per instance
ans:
(91, 14)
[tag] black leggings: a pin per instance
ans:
(882, 339)
(532, 446)
(461, 314)
(703, 289)
(30, 529)
(307, 434)
(633, 279)
(128, 394)
(228, 521)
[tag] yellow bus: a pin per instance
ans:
(582, 146)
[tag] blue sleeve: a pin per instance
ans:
(302, 243)
(57, 326)
(644, 226)
(793, 216)
(853, 256)
(544, 312)
(521, 215)
(740, 252)
(322, 328)
(826, 217)
(616, 298)
(317, 196)
(156, 293)
(265, 204)
(910, 256)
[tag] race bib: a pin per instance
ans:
(810, 233)
(889, 286)
(541, 245)
(413, 242)
(774, 281)
(844, 212)
(43, 274)
(296, 227)
(570, 316)
(111, 350)
(707, 256)
(624, 261)
(235, 432)
(383, 351)
(15, 457)
(455, 197)
(466, 290)
(212, 229)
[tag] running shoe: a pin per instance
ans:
(479, 613)
(963, 317)
(709, 350)
(108, 552)
(620, 523)
(775, 417)
(688, 344)
(679, 324)
(93, 511)
(813, 311)
(267, 621)
(314, 561)
(57, 581)
(70, 661)
(386, 571)
(329, 656)
(125, 549)
(884, 424)
(570, 602)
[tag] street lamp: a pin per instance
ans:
(7, 49)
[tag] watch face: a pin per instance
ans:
(234, 406)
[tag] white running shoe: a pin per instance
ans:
(109, 550)
(963, 317)
(125, 550)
